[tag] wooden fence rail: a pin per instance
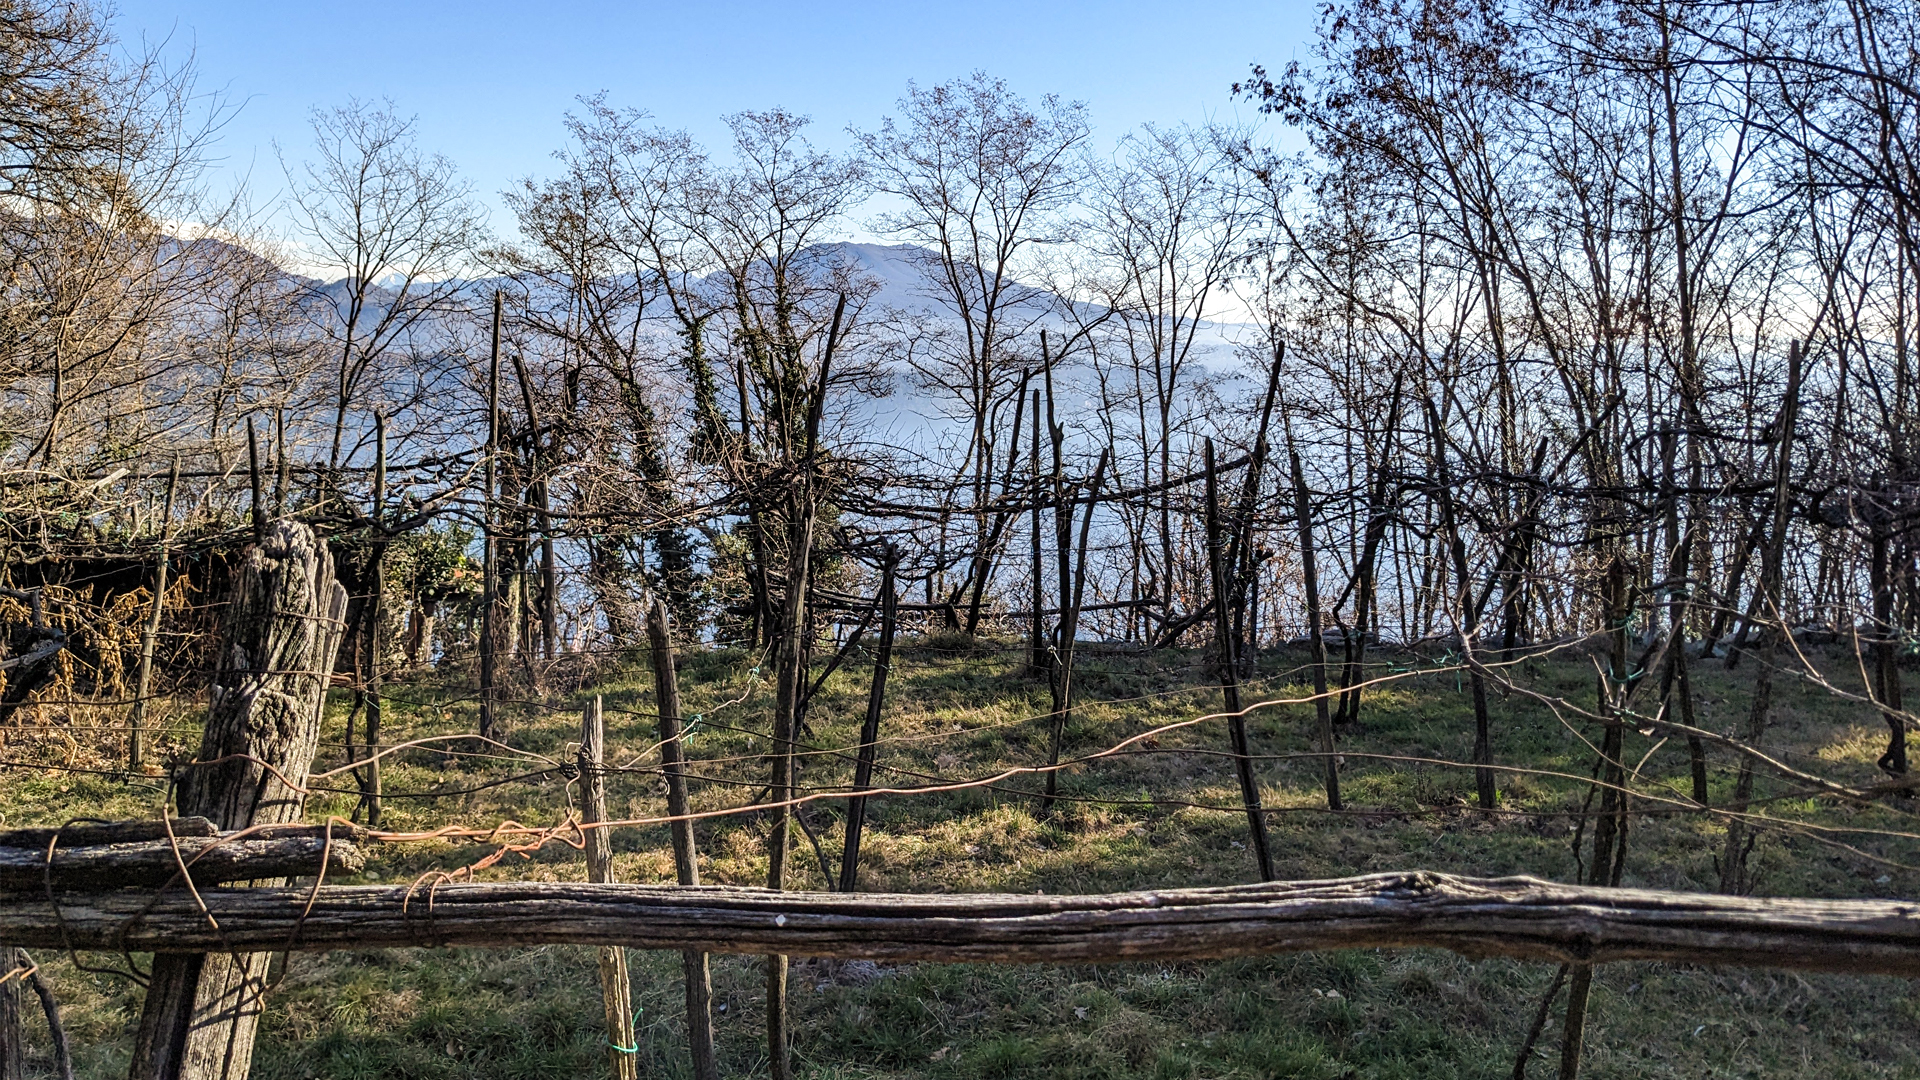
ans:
(1519, 917)
(157, 862)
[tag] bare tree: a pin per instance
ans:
(399, 224)
(980, 179)
(1168, 230)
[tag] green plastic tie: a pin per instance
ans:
(635, 1048)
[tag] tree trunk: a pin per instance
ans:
(376, 616)
(791, 687)
(1610, 827)
(1676, 688)
(1366, 573)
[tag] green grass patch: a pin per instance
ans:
(1162, 815)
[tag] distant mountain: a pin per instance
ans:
(904, 273)
(910, 415)
(904, 283)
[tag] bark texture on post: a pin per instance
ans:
(1038, 662)
(686, 857)
(376, 623)
(1230, 679)
(143, 677)
(870, 728)
(1768, 600)
(283, 630)
(1303, 514)
(490, 553)
(1073, 587)
(13, 1049)
(616, 988)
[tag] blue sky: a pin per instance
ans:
(489, 82)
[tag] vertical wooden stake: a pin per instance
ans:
(1037, 645)
(490, 567)
(1230, 678)
(615, 988)
(1242, 556)
(1676, 685)
(283, 467)
(796, 631)
(870, 730)
(686, 863)
(13, 1048)
(1466, 613)
(1772, 608)
(1303, 512)
(253, 474)
(1073, 584)
(143, 679)
(376, 619)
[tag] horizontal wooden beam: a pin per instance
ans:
(87, 834)
(1519, 917)
(156, 862)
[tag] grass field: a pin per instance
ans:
(1148, 819)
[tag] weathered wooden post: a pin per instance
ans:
(143, 680)
(1069, 629)
(1772, 612)
(283, 629)
(376, 614)
(490, 560)
(615, 987)
(1037, 658)
(13, 1049)
(1303, 518)
(1230, 677)
(790, 680)
(686, 864)
(259, 506)
(870, 729)
(1465, 613)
